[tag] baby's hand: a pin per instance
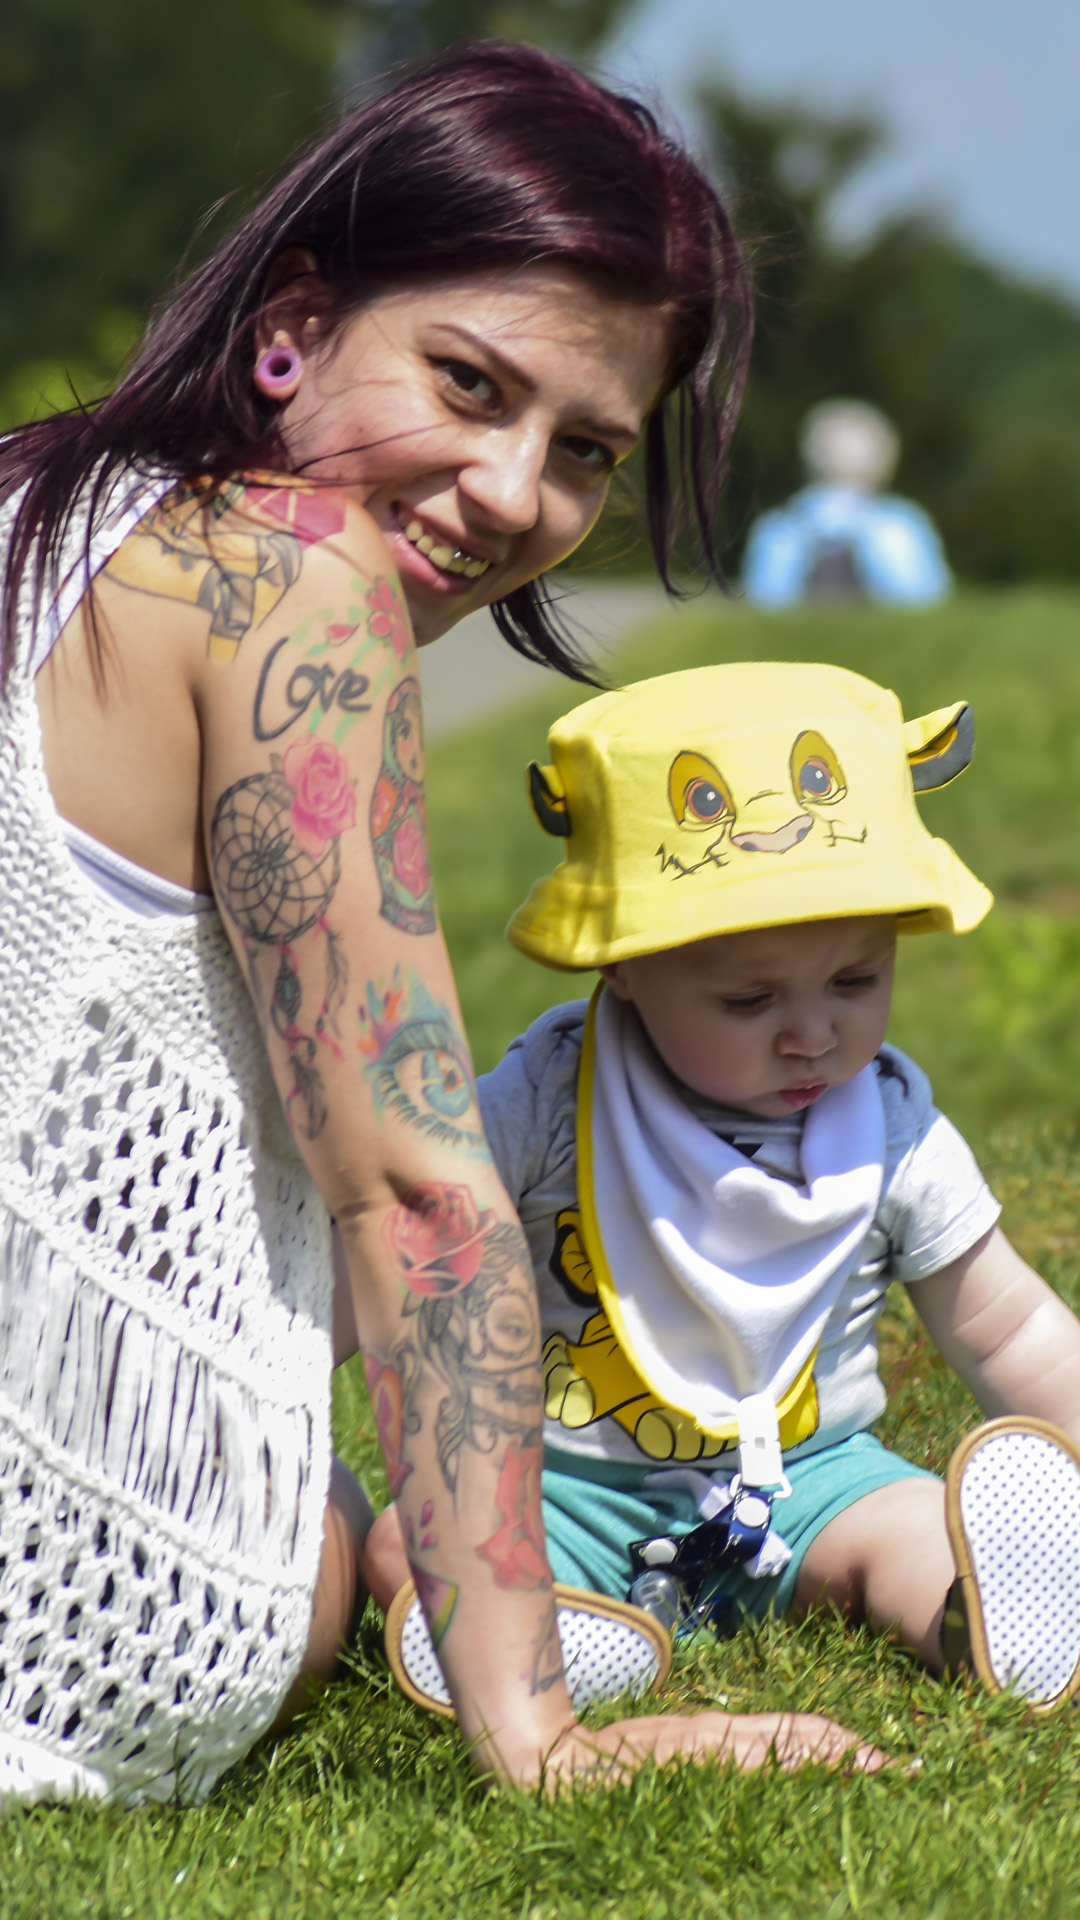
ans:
(750, 1740)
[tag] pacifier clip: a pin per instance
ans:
(674, 1576)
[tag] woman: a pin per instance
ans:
(395, 395)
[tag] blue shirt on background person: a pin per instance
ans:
(840, 539)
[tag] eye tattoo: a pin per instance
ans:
(418, 1064)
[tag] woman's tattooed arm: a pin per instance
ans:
(461, 1391)
(275, 835)
(467, 1360)
(319, 857)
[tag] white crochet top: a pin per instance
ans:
(165, 1309)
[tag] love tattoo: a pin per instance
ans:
(370, 630)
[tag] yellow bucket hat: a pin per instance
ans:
(741, 796)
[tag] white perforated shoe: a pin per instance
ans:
(1013, 1514)
(608, 1649)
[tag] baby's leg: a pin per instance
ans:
(886, 1560)
(386, 1563)
(340, 1591)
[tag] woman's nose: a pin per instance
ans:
(504, 484)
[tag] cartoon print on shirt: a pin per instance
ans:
(703, 800)
(592, 1379)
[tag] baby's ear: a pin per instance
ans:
(549, 800)
(612, 975)
(939, 746)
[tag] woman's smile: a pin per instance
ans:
(480, 420)
(444, 558)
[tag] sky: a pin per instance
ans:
(979, 96)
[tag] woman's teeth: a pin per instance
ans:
(449, 559)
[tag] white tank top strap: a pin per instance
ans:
(128, 499)
(134, 889)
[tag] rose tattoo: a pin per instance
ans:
(437, 1236)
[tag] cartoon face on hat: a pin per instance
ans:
(742, 796)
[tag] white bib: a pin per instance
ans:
(717, 1277)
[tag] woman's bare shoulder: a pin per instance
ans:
(311, 512)
(232, 550)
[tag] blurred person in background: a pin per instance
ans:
(841, 538)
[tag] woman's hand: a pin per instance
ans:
(747, 1740)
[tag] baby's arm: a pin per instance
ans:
(1011, 1339)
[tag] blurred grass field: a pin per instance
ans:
(368, 1806)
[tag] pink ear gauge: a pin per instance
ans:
(277, 372)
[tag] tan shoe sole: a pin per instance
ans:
(609, 1649)
(1012, 1508)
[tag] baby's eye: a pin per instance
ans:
(747, 1002)
(590, 453)
(856, 982)
(468, 379)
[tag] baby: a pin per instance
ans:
(721, 1165)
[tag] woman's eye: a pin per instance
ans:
(468, 379)
(591, 453)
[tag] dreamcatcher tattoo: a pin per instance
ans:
(277, 862)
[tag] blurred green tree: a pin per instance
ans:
(132, 135)
(122, 127)
(397, 29)
(980, 373)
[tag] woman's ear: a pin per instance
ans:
(293, 295)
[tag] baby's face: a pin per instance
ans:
(767, 1020)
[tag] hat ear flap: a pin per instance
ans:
(939, 746)
(549, 800)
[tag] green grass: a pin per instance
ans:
(368, 1807)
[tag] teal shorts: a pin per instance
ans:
(594, 1508)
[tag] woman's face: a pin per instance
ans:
(480, 420)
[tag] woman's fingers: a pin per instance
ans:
(751, 1740)
(795, 1739)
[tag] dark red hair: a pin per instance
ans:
(488, 155)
